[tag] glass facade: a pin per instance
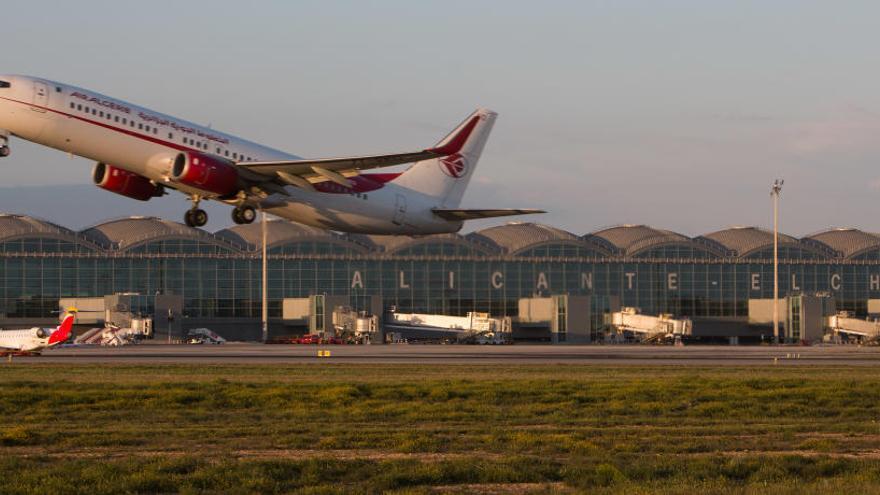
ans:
(447, 274)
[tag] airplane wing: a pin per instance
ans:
(305, 172)
(305, 167)
(462, 214)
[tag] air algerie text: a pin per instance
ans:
(103, 103)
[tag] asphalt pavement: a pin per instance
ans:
(251, 353)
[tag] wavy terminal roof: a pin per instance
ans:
(509, 239)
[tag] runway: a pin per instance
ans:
(248, 353)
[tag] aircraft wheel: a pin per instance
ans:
(195, 217)
(247, 214)
(5, 151)
(200, 217)
(244, 214)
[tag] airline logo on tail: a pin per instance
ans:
(454, 166)
(62, 333)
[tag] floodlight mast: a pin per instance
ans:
(265, 277)
(774, 192)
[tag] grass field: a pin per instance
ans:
(438, 429)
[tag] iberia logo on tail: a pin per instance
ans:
(62, 333)
(454, 165)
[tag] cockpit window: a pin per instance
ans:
(4, 84)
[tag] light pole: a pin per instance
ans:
(774, 192)
(265, 316)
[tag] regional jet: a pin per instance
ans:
(36, 339)
(141, 153)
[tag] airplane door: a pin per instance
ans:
(41, 97)
(399, 209)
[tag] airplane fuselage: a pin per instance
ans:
(144, 142)
(26, 340)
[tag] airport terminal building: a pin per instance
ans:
(707, 278)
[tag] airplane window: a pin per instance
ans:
(235, 155)
(140, 126)
(124, 121)
(218, 151)
(155, 131)
(4, 84)
(227, 152)
(170, 135)
(72, 105)
(79, 107)
(116, 118)
(57, 89)
(101, 114)
(94, 112)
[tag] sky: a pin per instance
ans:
(675, 114)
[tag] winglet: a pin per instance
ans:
(62, 333)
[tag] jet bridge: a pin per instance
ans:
(474, 328)
(843, 324)
(649, 326)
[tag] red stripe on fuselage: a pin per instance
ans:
(112, 128)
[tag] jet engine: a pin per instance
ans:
(126, 183)
(206, 173)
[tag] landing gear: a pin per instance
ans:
(4, 151)
(244, 214)
(196, 217)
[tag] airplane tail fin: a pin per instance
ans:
(62, 333)
(446, 178)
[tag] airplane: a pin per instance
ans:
(141, 154)
(31, 340)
